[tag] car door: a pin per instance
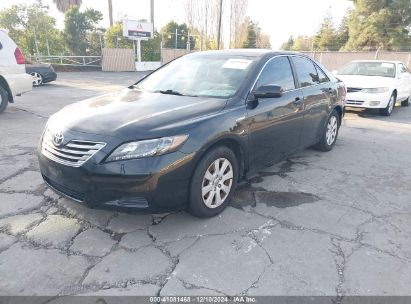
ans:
(404, 82)
(275, 124)
(318, 92)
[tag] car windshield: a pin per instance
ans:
(381, 69)
(206, 76)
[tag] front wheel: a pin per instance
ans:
(330, 133)
(406, 103)
(213, 183)
(390, 107)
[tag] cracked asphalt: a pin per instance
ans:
(334, 224)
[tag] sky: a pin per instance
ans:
(278, 18)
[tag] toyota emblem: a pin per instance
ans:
(58, 139)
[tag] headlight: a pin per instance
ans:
(147, 148)
(376, 90)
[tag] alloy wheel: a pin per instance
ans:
(332, 129)
(217, 183)
(37, 79)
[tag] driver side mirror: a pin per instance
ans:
(268, 91)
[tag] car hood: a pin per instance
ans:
(366, 82)
(133, 114)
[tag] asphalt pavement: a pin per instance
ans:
(334, 224)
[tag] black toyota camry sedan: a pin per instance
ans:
(187, 134)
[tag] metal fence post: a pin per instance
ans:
(161, 52)
(176, 45)
(376, 54)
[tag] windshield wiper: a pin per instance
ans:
(170, 92)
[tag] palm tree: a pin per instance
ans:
(64, 5)
(110, 11)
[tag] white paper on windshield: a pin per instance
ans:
(237, 64)
(386, 65)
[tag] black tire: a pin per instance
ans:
(390, 108)
(196, 205)
(406, 103)
(324, 145)
(4, 99)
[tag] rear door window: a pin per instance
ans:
(306, 72)
(403, 69)
(277, 72)
(321, 76)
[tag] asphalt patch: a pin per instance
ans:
(246, 198)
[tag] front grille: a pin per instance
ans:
(354, 102)
(74, 154)
(72, 194)
(353, 90)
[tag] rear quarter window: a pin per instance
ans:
(1, 46)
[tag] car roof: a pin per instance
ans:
(258, 53)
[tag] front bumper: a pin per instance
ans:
(156, 184)
(365, 100)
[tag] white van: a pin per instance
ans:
(13, 78)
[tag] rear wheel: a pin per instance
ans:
(37, 79)
(4, 99)
(213, 183)
(330, 133)
(406, 103)
(390, 107)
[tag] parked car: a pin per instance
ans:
(377, 84)
(187, 134)
(13, 79)
(41, 73)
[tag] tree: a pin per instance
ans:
(263, 41)
(32, 28)
(114, 37)
(202, 17)
(238, 33)
(303, 43)
(343, 31)
(326, 38)
(77, 26)
(64, 5)
(251, 41)
(255, 37)
(150, 49)
(95, 41)
(288, 46)
(168, 33)
(383, 24)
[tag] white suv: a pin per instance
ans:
(13, 78)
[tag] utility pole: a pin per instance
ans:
(110, 11)
(220, 13)
(152, 12)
